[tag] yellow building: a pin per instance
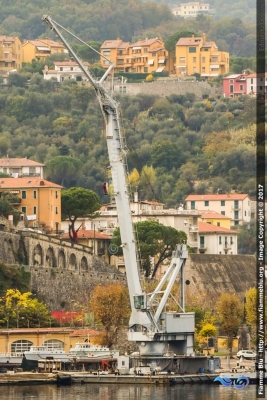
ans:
(196, 55)
(38, 198)
(144, 56)
(40, 49)
(18, 340)
(215, 218)
(10, 53)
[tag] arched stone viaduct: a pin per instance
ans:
(63, 273)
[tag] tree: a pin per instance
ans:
(60, 167)
(208, 330)
(22, 310)
(155, 240)
(110, 305)
(78, 202)
(230, 312)
(251, 309)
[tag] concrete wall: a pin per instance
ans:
(210, 275)
(165, 88)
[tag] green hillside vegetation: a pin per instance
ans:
(130, 20)
(189, 146)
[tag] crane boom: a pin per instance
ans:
(149, 326)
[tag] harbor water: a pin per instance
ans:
(126, 392)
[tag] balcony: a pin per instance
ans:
(193, 244)
(193, 228)
(236, 208)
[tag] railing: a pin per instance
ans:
(193, 228)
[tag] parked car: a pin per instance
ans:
(250, 354)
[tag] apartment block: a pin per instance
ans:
(197, 55)
(21, 167)
(144, 56)
(37, 198)
(10, 53)
(192, 9)
(40, 49)
(216, 240)
(235, 206)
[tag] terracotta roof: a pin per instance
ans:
(85, 332)
(257, 75)
(231, 196)
(150, 202)
(157, 49)
(195, 40)
(211, 214)
(209, 44)
(42, 43)
(113, 44)
(89, 234)
(19, 162)
(146, 42)
(36, 43)
(209, 228)
(30, 182)
(8, 38)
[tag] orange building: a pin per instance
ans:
(144, 56)
(196, 55)
(10, 53)
(37, 198)
(40, 49)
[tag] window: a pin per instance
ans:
(251, 88)
(120, 52)
(231, 81)
(223, 212)
(241, 87)
(120, 61)
(245, 213)
(251, 80)
(236, 215)
(15, 170)
(23, 194)
(203, 59)
(260, 87)
(32, 170)
(203, 69)
(24, 210)
(192, 50)
(206, 203)
(106, 52)
(71, 68)
(202, 241)
(145, 69)
(222, 203)
(193, 205)
(56, 194)
(225, 240)
(34, 194)
(220, 240)
(236, 204)
(35, 210)
(181, 59)
(61, 69)
(194, 59)
(106, 62)
(218, 224)
(231, 240)
(19, 346)
(214, 59)
(56, 210)
(231, 88)
(145, 50)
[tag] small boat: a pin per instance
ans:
(39, 353)
(12, 359)
(87, 352)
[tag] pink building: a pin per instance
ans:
(235, 85)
